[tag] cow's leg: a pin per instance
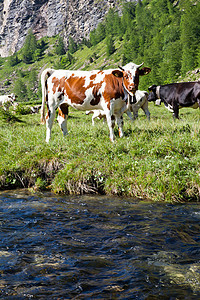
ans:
(126, 108)
(198, 101)
(95, 115)
(49, 123)
(120, 124)
(175, 109)
(111, 124)
(62, 121)
(135, 114)
(146, 110)
(128, 112)
(134, 108)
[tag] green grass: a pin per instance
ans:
(157, 160)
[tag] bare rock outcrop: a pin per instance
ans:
(49, 18)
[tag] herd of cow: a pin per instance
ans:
(108, 94)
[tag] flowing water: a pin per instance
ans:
(97, 247)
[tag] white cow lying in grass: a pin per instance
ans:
(7, 100)
(141, 102)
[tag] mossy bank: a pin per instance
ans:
(157, 160)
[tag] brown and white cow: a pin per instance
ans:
(107, 90)
(7, 100)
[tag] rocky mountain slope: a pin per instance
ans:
(48, 18)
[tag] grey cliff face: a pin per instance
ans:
(48, 18)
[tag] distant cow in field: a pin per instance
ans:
(141, 102)
(96, 113)
(7, 100)
(35, 109)
(88, 90)
(176, 95)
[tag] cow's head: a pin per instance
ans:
(153, 93)
(12, 98)
(130, 74)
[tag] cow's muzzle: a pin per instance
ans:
(132, 88)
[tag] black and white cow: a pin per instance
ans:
(176, 95)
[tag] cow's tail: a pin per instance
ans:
(44, 76)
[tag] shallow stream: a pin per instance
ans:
(97, 247)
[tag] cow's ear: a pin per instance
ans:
(152, 87)
(117, 73)
(144, 71)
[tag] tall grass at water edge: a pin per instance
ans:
(157, 160)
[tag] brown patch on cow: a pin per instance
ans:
(75, 90)
(48, 113)
(113, 88)
(95, 92)
(108, 104)
(63, 110)
(58, 84)
(73, 87)
(92, 77)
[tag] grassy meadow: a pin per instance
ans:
(157, 160)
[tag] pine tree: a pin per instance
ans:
(110, 48)
(170, 66)
(190, 36)
(32, 85)
(60, 47)
(100, 33)
(128, 17)
(20, 90)
(198, 55)
(72, 45)
(29, 48)
(13, 60)
(112, 23)
(93, 40)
